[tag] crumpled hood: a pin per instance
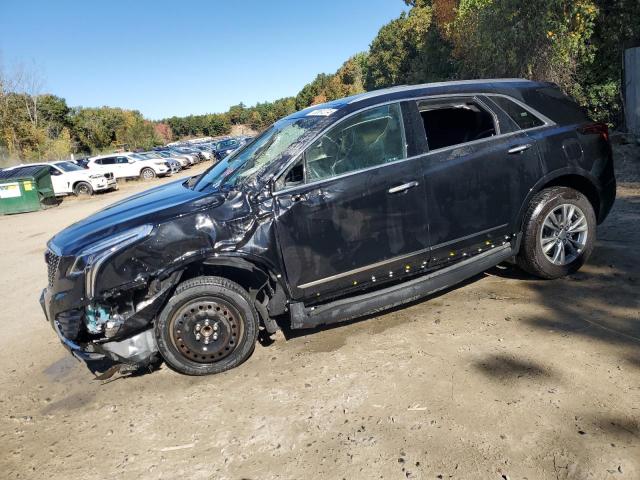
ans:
(149, 207)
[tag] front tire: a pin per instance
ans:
(147, 173)
(559, 233)
(208, 326)
(82, 188)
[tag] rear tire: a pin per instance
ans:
(82, 188)
(147, 174)
(208, 326)
(559, 232)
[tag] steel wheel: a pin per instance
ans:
(564, 233)
(206, 330)
(209, 325)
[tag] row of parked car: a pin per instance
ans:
(100, 173)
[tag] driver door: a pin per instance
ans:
(351, 211)
(58, 181)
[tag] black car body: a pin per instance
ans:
(337, 211)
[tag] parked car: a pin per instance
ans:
(334, 212)
(68, 178)
(184, 161)
(225, 147)
(174, 164)
(175, 152)
(205, 151)
(126, 165)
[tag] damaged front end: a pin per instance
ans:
(113, 326)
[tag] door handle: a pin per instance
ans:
(519, 148)
(404, 187)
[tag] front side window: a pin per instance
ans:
(452, 122)
(520, 115)
(367, 139)
(123, 160)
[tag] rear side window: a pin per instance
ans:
(456, 121)
(520, 115)
(367, 139)
(108, 161)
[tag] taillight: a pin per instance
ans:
(596, 129)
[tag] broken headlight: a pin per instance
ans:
(91, 258)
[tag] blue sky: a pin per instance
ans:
(175, 58)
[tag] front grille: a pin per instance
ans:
(53, 261)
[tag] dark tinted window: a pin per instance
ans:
(107, 161)
(452, 122)
(552, 103)
(523, 118)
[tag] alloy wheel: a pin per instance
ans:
(563, 235)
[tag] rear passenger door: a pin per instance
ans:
(477, 172)
(59, 181)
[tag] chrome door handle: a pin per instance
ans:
(519, 148)
(403, 188)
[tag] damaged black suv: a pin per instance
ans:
(334, 212)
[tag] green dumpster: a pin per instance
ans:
(25, 189)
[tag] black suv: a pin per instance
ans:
(334, 212)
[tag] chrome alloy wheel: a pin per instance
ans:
(563, 235)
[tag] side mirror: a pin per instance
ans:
(265, 193)
(295, 176)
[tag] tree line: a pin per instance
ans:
(577, 44)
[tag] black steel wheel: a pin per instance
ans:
(208, 326)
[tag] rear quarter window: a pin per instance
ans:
(520, 115)
(554, 104)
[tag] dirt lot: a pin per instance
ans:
(505, 377)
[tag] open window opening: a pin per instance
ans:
(454, 122)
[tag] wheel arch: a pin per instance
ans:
(581, 181)
(76, 182)
(263, 283)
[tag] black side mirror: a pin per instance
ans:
(295, 176)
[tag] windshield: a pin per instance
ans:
(69, 167)
(246, 162)
(137, 156)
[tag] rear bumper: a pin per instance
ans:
(607, 199)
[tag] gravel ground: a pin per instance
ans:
(503, 377)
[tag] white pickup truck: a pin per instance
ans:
(68, 178)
